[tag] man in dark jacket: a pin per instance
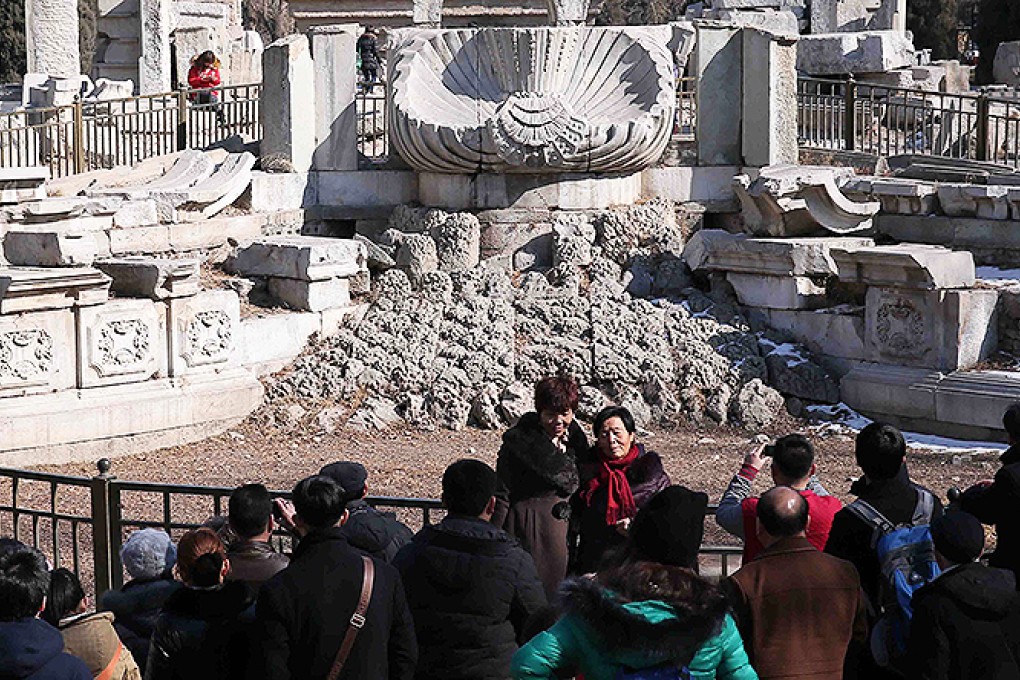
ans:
(30, 648)
(377, 534)
(966, 623)
(368, 52)
(798, 609)
(471, 587)
(303, 612)
(998, 502)
(252, 558)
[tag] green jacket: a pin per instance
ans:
(583, 642)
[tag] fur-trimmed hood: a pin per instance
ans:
(646, 631)
(527, 452)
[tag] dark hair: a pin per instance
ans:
(8, 545)
(319, 501)
(794, 456)
(880, 450)
(24, 582)
(614, 412)
(249, 510)
(467, 487)
(200, 557)
(1011, 420)
(700, 606)
(207, 57)
(558, 394)
(64, 595)
(779, 520)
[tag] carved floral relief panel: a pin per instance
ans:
(36, 352)
(122, 341)
(204, 332)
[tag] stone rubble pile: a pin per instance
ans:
(449, 341)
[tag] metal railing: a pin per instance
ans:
(686, 108)
(92, 135)
(373, 127)
(34, 510)
(846, 115)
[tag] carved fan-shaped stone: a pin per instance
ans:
(563, 99)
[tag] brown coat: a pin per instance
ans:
(93, 639)
(798, 611)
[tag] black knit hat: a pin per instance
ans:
(668, 529)
(351, 476)
(958, 536)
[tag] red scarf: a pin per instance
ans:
(612, 475)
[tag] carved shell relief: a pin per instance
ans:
(208, 338)
(26, 357)
(122, 346)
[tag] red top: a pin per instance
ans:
(821, 510)
(200, 78)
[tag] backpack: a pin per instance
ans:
(906, 558)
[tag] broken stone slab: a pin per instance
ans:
(898, 196)
(308, 258)
(830, 54)
(311, 296)
(970, 200)
(53, 209)
(23, 184)
(214, 193)
(777, 292)
(1006, 67)
(831, 208)
(26, 289)
(50, 247)
(190, 168)
(719, 250)
(151, 277)
(130, 214)
(920, 266)
(882, 390)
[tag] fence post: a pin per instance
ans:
(105, 560)
(182, 119)
(983, 111)
(850, 114)
(78, 133)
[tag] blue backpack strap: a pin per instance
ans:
(869, 515)
(924, 508)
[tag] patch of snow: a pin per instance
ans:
(997, 274)
(791, 352)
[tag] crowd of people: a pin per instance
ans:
(566, 560)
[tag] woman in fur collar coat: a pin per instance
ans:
(537, 471)
(643, 620)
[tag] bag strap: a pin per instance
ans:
(924, 508)
(357, 621)
(107, 673)
(873, 518)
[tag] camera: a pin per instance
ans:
(769, 451)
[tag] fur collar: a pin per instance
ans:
(621, 629)
(527, 444)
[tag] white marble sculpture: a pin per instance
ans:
(534, 100)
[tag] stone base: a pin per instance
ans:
(777, 292)
(274, 191)
(990, 241)
(82, 425)
(311, 296)
(709, 186)
(492, 191)
(365, 189)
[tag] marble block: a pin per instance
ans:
(27, 289)
(777, 292)
(308, 258)
(719, 250)
(203, 331)
(151, 277)
(121, 341)
(311, 296)
(37, 352)
(908, 265)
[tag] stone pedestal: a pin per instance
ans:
(120, 342)
(334, 51)
(51, 37)
(769, 99)
(288, 107)
(154, 64)
(718, 59)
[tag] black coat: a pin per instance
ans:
(135, 607)
(535, 479)
(597, 539)
(850, 536)
(471, 589)
(303, 613)
(966, 626)
(999, 504)
(376, 534)
(202, 634)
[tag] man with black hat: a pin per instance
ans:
(966, 623)
(377, 534)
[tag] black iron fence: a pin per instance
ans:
(846, 115)
(92, 135)
(81, 522)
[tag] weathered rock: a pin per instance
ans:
(829, 54)
(417, 255)
(485, 409)
(573, 237)
(792, 372)
(375, 415)
(457, 238)
(756, 405)
(590, 400)
(516, 400)
(1006, 68)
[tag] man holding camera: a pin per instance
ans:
(793, 465)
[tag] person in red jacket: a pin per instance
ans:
(793, 465)
(203, 75)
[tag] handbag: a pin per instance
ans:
(357, 621)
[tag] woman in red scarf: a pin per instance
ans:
(620, 478)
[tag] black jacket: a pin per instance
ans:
(368, 50)
(31, 649)
(471, 589)
(303, 613)
(850, 537)
(254, 562)
(999, 504)
(135, 607)
(377, 534)
(966, 626)
(530, 466)
(202, 634)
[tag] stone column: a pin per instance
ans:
(769, 134)
(154, 64)
(288, 102)
(334, 53)
(427, 13)
(718, 56)
(51, 37)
